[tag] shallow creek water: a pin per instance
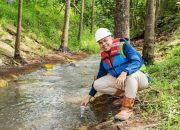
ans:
(48, 99)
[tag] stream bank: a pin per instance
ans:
(9, 70)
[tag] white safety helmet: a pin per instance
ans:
(102, 33)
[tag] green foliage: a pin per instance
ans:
(168, 7)
(104, 10)
(169, 16)
(87, 13)
(168, 23)
(7, 13)
(163, 98)
(88, 43)
(45, 20)
(137, 17)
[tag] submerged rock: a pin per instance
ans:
(72, 64)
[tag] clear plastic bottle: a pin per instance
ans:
(82, 110)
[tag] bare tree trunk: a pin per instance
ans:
(148, 48)
(92, 16)
(65, 34)
(18, 33)
(122, 18)
(157, 10)
(81, 21)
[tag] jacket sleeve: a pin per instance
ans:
(134, 58)
(102, 72)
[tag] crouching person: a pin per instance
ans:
(121, 72)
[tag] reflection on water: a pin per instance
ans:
(48, 98)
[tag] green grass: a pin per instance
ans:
(164, 95)
(46, 22)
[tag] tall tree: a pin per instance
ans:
(81, 21)
(65, 34)
(148, 47)
(18, 33)
(157, 10)
(121, 18)
(132, 17)
(92, 16)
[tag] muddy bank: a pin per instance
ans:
(7, 71)
(105, 111)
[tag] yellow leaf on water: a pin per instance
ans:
(3, 83)
(48, 66)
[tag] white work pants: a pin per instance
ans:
(134, 82)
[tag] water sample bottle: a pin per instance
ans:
(82, 110)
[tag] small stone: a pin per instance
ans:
(72, 64)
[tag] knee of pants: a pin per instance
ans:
(97, 85)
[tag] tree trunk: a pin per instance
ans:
(65, 34)
(157, 10)
(92, 17)
(132, 17)
(122, 18)
(148, 47)
(18, 33)
(81, 21)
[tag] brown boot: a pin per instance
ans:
(126, 110)
(119, 95)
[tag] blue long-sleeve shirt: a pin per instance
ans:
(134, 64)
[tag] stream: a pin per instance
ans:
(49, 99)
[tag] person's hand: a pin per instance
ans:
(121, 80)
(86, 100)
